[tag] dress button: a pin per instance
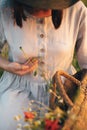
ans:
(41, 35)
(42, 50)
(41, 63)
(41, 21)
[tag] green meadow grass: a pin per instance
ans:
(85, 2)
(75, 63)
(4, 53)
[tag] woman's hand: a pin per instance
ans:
(20, 69)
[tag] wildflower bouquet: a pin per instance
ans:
(36, 120)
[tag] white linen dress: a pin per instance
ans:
(38, 37)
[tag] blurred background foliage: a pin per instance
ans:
(75, 62)
(85, 2)
(4, 53)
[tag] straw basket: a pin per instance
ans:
(74, 94)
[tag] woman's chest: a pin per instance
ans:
(38, 37)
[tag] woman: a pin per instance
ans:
(42, 38)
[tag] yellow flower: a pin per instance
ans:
(17, 118)
(48, 115)
(37, 123)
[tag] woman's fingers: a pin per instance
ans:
(22, 69)
(31, 60)
(16, 67)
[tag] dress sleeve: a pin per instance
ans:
(81, 45)
(2, 35)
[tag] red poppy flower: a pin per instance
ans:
(52, 125)
(29, 115)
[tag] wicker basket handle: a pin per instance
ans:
(59, 84)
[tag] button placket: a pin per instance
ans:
(42, 48)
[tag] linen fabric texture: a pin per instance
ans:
(36, 35)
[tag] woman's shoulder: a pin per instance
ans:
(80, 6)
(78, 10)
(2, 35)
(6, 17)
(81, 10)
(6, 12)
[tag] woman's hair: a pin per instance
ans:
(19, 15)
(57, 18)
